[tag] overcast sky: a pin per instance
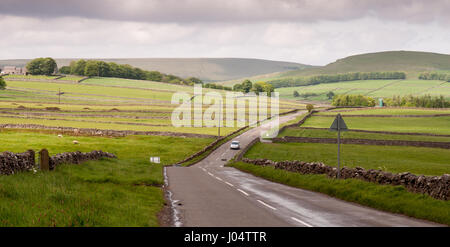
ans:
(305, 31)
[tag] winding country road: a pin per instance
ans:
(209, 194)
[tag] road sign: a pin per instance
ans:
(338, 125)
(155, 160)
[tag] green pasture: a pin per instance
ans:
(396, 159)
(108, 192)
(319, 133)
(435, 125)
(385, 111)
(373, 88)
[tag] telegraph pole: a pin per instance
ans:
(220, 113)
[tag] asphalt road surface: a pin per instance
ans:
(209, 194)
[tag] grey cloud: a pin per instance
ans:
(181, 11)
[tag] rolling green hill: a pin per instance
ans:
(408, 61)
(207, 69)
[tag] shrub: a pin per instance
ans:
(2, 83)
(296, 94)
(309, 107)
(330, 95)
(42, 66)
(427, 101)
(352, 100)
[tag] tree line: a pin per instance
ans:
(312, 80)
(42, 66)
(48, 66)
(426, 101)
(216, 86)
(352, 100)
(103, 69)
(246, 86)
(257, 87)
(435, 76)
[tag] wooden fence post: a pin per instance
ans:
(44, 160)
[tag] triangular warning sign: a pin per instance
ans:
(338, 124)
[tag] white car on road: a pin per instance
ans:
(235, 145)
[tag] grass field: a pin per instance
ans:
(73, 78)
(319, 133)
(428, 161)
(396, 159)
(119, 100)
(435, 125)
(31, 77)
(372, 88)
(109, 192)
(384, 111)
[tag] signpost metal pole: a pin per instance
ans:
(339, 149)
(338, 125)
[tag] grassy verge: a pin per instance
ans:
(393, 199)
(107, 192)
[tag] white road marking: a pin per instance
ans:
(229, 184)
(243, 192)
(301, 222)
(203, 169)
(267, 205)
(223, 154)
(218, 178)
(210, 174)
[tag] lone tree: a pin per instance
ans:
(296, 94)
(330, 95)
(309, 107)
(42, 66)
(246, 86)
(2, 83)
(64, 70)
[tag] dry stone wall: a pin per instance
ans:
(77, 157)
(436, 186)
(294, 139)
(101, 132)
(11, 163)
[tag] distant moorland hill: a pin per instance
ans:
(207, 69)
(407, 61)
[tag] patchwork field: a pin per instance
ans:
(373, 88)
(109, 192)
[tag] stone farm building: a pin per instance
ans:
(13, 70)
